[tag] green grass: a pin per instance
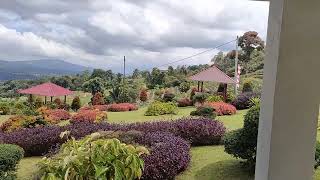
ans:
(138, 116)
(212, 163)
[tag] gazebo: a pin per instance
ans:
(47, 89)
(213, 74)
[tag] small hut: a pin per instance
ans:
(213, 74)
(47, 90)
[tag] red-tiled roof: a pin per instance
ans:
(213, 74)
(47, 89)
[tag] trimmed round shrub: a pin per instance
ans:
(121, 107)
(160, 108)
(243, 100)
(54, 116)
(222, 108)
(204, 111)
(184, 102)
(10, 155)
(168, 97)
(101, 107)
(35, 141)
(76, 103)
(90, 116)
(169, 155)
(242, 143)
(20, 122)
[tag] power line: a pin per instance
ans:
(197, 54)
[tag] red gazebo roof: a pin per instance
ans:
(213, 74)
(46, 89)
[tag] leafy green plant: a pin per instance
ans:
(160, 108)
(184, 86)
(4, 108)
(255, 101)
(215, 98)
(94, 158)
(10, 155)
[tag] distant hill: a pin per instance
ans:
(33, 69)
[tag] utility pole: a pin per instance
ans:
(236, 68)
(124, 68)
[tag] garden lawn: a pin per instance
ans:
(138, 116)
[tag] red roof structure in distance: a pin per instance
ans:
(213, 74)
(47, 89)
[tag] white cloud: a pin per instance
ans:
(98, 32)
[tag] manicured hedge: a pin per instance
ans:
(38, 141)
(169, 155)
(56, 115)
(121, 107)
(222, 108)
(184, 102)
(10, 155)
(34, 141)
(90, 116)
(161, 108)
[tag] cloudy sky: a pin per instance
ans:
(99, 33)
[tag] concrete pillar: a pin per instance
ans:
(290, 99)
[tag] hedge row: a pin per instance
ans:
(38, 141)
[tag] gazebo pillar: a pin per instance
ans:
(290, 98)
(45, 99)
(198, 86)
(202, 86)
(65, 99)
(51, 99)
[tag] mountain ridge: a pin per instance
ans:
(32, 69)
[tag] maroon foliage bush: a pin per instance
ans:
(58, 114)
(169, 155)
(242, 101)
(184, 102)
(35, 141)
(222, 108)
(98, 99)
(121, 107)
(143, 95)
(94, 116)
